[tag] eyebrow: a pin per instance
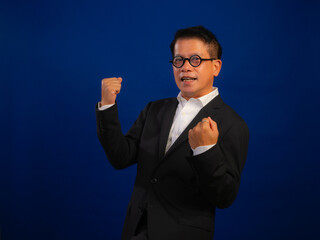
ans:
(178, 55)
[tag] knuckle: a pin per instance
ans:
(105, 82)
(197, 130)
(205, 126)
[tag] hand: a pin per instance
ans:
(110, 87)
(204, 133)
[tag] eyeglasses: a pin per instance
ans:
(194, 60)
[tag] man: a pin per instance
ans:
(190, 150)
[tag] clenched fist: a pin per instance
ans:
(204, 133)
(110, 87)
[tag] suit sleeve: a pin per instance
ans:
(120, 149)
(218, 170)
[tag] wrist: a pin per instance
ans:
(102, 103)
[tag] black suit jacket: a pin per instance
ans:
(179, 191)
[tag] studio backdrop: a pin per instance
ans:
(56, 182)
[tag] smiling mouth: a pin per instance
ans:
(188, 79)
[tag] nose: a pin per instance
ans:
(186, 66)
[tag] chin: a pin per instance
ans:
(187, 94)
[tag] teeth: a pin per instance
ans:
(188, 79)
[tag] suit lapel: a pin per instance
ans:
(167, 114)
(208, 110)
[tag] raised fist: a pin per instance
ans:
(110, 87)
(204, 133)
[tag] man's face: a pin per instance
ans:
(194, 82)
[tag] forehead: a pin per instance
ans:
(190, 46)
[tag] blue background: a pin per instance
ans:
(56, 182)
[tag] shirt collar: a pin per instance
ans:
(204, 100)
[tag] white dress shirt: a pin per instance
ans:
(186, 111)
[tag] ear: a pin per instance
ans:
(216, 67)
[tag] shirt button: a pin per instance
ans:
(154, 180)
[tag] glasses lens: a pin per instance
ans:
(195, 60)
(177, 61)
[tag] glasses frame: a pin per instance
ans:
(189, 60)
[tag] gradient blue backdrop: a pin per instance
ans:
(56, 182)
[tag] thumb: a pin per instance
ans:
(213, 124)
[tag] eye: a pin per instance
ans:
(195, 57)
(177, 59)
(195, 60)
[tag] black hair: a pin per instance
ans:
(214, 47)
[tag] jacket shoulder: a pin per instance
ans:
(226, 116)
(164, 100)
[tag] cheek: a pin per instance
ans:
(176, 75)
(206, 74)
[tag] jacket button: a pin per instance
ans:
(154, 180)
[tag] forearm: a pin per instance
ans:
(119, 149)
(218, 170)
